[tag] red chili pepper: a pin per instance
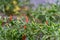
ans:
(24, 37)
(24, 26)
(26, 19)
(10, 18)
(47, 22)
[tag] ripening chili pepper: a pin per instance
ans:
(47, 22)
(26, 19)
(24, 37)
(10, 18)
(24, 26)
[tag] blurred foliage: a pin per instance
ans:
(43, 23)
(48, 12)
(14, 30)
(14, 6)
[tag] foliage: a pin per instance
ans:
(43, 23)
(13, 6)
(46, 12)
(14, 30)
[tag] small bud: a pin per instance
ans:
(24, 26)
(10, 18)
(47, 22)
